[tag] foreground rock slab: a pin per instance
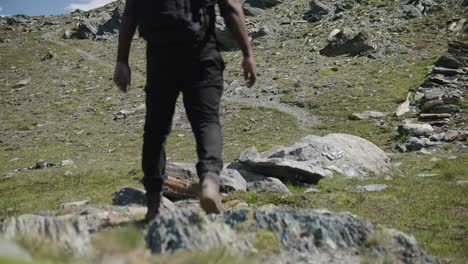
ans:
(300, 234)
(313, 158)
(69, 232)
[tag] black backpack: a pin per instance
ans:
(176, 21)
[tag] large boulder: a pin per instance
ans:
(68, 232)
(347, 42)
(299, 235)
(313, 158)
(100, 22)
(189, 229)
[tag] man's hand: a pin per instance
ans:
(122, 76)
(250, 70)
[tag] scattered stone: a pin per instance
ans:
(404, 107)
(423, 175)
(134, 196)
(424, 151)
(367, 115)
(228, 42)
(48, 56)
(311, 190)
(447, 108)
(268, 184)
(67, 231)
(22, 83)
(4, 40)
(418, 130)
(462, 136)
(309, 159)
(73, 205)
(456, 57)
(437, 137)
(451, 135)
(67, 34)
(263, 3)
(447, 71)
(41, 164)
(317, 11)
(415, 143)
(370, 188)
(11, 250)
(348, 43)
(252, 11)
(426, 117)
(67, 162)
(68, 174)
(462, 182)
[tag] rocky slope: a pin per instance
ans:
(360, 106)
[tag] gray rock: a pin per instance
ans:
(367, 115)
(417, 8)
(68, 232)
(268, 184)
(231, 180)
(129, 195)
(418, 130)
(317, 11)
(252, 11)
(311, 158)
(445, 109)
(370, 188)
(17, 19)
(348, 43)
(67, 162)
(97, 24)
(415, 143)
(311, 190)
(462, 182)
(11, 250)
(456, 56)
(73, 205)
(301, 234)
(134, 196)
(424, 175)
(451, 135)
(263, 3)
(192, 230)
(48, 56)
(22, 83)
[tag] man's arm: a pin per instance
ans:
(122, 73)
(232, 12)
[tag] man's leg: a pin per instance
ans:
(202, 107)
(159, 112)
(161, 96)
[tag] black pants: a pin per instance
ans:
(198, 74)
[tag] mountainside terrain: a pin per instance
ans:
(359, 107)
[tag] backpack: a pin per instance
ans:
(176, 21)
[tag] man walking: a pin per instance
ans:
(182, 56)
